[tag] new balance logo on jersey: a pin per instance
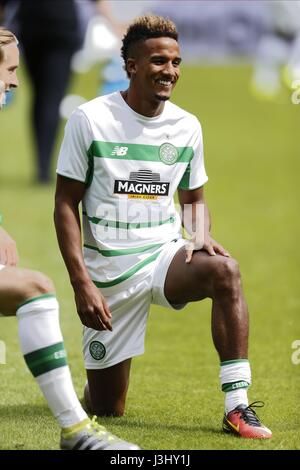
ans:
(143, 183)
(119, 151)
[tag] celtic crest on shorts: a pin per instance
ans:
(97, 350)
(168, 154)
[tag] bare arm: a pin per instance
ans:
(91, 305)
(193, 198)
(191, 202)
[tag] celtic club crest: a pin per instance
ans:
(168, 154)
(97, 350)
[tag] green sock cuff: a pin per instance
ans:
(45, 359)
(39, 297)
(233, 361)
(229, 387)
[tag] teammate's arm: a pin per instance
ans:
(91, 305)
(191, 200)
(8, 248)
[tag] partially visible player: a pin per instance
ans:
(277, 58)
(30, 296)
(114, 76)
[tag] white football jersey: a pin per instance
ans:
(131, 165)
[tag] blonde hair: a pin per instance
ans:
(6, 37)
(147, 27)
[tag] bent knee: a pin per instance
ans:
(42, 283)
(227, 273)
(20, 286)
(34, 283)
(39, 283)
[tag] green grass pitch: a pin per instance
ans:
(252, 155)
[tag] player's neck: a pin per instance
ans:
(141, 105)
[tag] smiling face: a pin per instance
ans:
(8, 70)
(154, 69)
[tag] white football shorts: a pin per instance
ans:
(130, 308)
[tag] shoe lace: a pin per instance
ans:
(248, 414)
(101, 431)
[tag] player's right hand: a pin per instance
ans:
(207, 244)
(8, 249)
(92, 307)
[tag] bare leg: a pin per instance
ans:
(106, 391)
(218, 278)
(18, 285)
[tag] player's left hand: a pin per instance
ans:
(209, 245)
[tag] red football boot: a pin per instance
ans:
(244, 422)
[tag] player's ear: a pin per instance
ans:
(131, 66)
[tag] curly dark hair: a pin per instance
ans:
(6, 37)
(146, 27)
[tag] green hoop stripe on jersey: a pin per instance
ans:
(235, 385)
(125, 251)
(233, 361)
(127, 225)
(185, 180)
(127, 274)
(90, 171)
(142, 152)
(46, 359)
(39, 297)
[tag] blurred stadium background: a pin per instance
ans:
(252, 152)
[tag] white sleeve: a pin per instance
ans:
(195, 175)
(73, 160)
